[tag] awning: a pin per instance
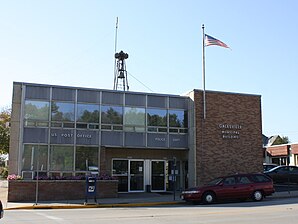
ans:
(279, 150)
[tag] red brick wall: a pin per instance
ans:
(227, 115)
(24, 190)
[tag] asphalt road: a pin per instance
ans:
(266, 212)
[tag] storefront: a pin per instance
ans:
(63, 131)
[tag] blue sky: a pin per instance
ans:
(71, 42)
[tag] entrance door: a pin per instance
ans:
(158, 176)
(136, 176)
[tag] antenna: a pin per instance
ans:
(119, 65)
(115, 63)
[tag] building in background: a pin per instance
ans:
(146, 140)
(285, 154)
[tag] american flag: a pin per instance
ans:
(209, 41)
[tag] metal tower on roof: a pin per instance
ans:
(120, 74)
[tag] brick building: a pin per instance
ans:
(229, 140)
(285, 154)
(146, 140)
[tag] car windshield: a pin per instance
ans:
(275, 168)
(215, 181)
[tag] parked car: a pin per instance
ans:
(283, 174)
(238, 186)
(268, 166)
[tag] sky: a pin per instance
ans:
(72, 43)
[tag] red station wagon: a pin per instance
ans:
(238, 186)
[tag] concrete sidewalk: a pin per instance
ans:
(124, 200)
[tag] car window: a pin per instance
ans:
(283, 170)
(295, 170)
(214, 182)
(244, 180)
(258, 178)
(229, 181)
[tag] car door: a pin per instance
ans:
(293, 174)
(227, 188)
(244, 187)
(281, 175)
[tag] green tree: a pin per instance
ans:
(281, 140)
(5, 116)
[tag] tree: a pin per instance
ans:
(281, 140)
(5, 116)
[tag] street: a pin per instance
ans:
(273, 211)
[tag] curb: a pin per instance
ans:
(119, 205)
(147, 204)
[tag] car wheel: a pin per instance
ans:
(208, 198)
(258, 196)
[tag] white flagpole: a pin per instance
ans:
(203, 74)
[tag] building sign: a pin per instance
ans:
(157, 140)
(82, 137)
(70, 135)
(230, 131)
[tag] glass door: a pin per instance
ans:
(120, 170)
(158, 176)
(136, 176)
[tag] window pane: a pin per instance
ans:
(34, 153)
(88, 113)
(111, 115)
(62, 111)
(156, 117)
(61, 158)
(85, 157)
(120, 167)
(134, 116)
(37, 110)
(178, 118)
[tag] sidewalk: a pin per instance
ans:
(124, 200)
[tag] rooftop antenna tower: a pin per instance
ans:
(120, 73)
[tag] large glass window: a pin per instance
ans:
(33, 155)
(120, 167)
(37, 110)
(87, 116)
(36, 113)
(62, 111)
(111, 115)
(156, 117)
(86, 157)
(178, 118)
(134, 119)
(61, 158)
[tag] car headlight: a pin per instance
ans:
(191, 192)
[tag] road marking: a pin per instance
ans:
(50, 217)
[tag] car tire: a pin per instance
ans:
(258, 195)
(208, 198)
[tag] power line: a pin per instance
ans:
(140, 82)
